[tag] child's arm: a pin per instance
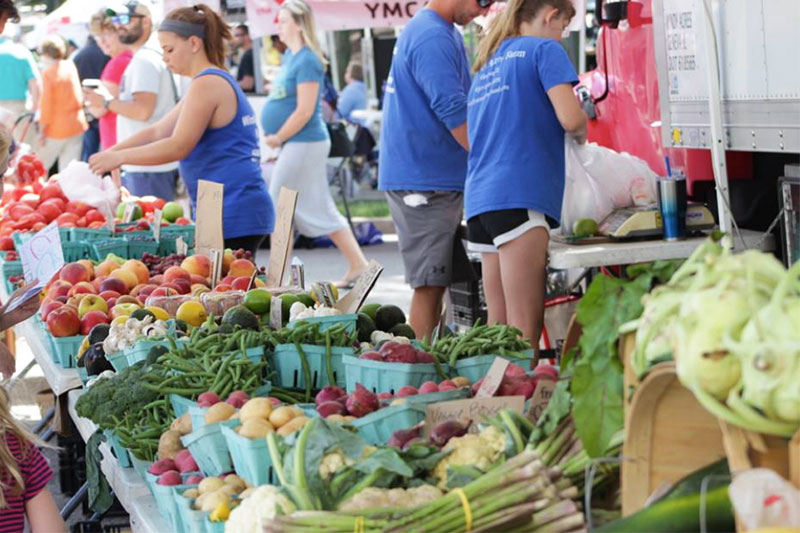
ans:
(43, 515)
(568, 111)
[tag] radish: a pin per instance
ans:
(161, 466)
(446, 431)
(169, 479)
(447, 385)
(186, 462)
(194, 480)
(407, 391)
(429, 387)
(237, 398)
(362, 402)
(400, 437)
(207, 399)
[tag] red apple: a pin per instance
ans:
(199, 279)
(114, 284)
(147, 290)
(157, 280)
(91, 319)
(164, 291)
(48, 306)
(82, 287)
(240, 283)
(176, 272)
(107, 295)
(183, 286)
(64, 322)
(74, 273)
(222, 287)
(59, 288)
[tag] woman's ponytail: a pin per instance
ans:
(215, 29)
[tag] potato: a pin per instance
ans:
(236, 482)
(255, 428)
(461, 381)
(169, 444)
(293, 425)
(191, 494)
(218, 412)
(256, 408)
(398, 401)
(336, 418)
(247, 493)
(182, 424)
(296, 411)
(234, 416)
(210, 484)
(349, 418)
(198, 502)
(280, 416)
(214, 500)
(230, 490)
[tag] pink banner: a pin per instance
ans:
(335, 14)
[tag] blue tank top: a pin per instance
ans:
(230, 155)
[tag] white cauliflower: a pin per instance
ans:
(297, 309)
(333, 462)
(252, 515)
(378, 336)
(372, 497)
(481, 451)
(326, 311)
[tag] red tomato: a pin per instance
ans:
(6, 243)
(97, 224)
(51, 190)
(19, 210)
(39, 226)
(67, 218)
(18, 193)
(81, 222)
(93, 215)
(79, 208)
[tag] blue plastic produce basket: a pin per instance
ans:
(120, 451)
(474, 368)
(289, 367)
(380, 376)
(118, 360)
(377, 427)
(193, 521)
(65, 349)
(250, 457)
(88, 234)
(101, 249)
(328, 322)
(208, 447)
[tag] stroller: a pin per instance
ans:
(348, 141)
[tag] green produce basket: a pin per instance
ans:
(174, 231)
(180, 404)
(140, 467)
(139, 351)
(64, 350)
(474, 368)
(193, 521)
(118, 360)
(208, 447)
(137, 247)
(21, 237)
(10, 268)
(214, 527)
(377, 427)
(327, 322)
(120, 451)
(163, 494)
(74, 251)
(250, 457)
(289, 368)
(443, 396)
(379, 376)
(101, 249)
(198, 413)
(88, 234)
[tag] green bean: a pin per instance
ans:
(306, 371)
(329, 360)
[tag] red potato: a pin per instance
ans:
(447, 385)
(170, 479)
(237, 399)
(407, 391)
(207, 399)
(394, 352)
(161, 466)
(194, 480)
(429, 387)
(514, 370)
(329, 393)
(185, 462)
(372, 356)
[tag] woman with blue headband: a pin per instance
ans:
(212, 130)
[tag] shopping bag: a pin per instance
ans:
(599, 180)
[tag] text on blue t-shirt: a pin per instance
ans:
(298, 68)
(426, 97)
(516, 157)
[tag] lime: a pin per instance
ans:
(306, 299)
(287, 300)
(257, 301)
(370, 309)
(584, 227)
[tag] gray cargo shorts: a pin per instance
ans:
(427, 224)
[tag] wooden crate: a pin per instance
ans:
(668, 435)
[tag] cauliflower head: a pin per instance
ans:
(333, 462)
(372, 498)
(257, 509)
(481, 451)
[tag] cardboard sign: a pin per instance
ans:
(493, 378)
(353, 300)
(181, 247)
(282, 237)
(252, 282)
(216, 266)
(127, 216)
(111, 219)
(42, 256)
(438, 331)
(208, 228)
(276, 313)
(158, 215)
(541, 397)
(473, 410)
(322, 292)
(298, 273)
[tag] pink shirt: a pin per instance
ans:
(112, 73)
(36, 473)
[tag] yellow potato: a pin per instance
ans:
(198, 502)
(295, 424)
(255, 428)
(210, 484)
(219, 412)
(232, 480)
(256, 408)
(296, 410)
(182, 424)
(280, 416)
(336, 418)
(461, 381)
(230, 490)
(398, 401)
(191, 493)
(349, 418)
(214, 500)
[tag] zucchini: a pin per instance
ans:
(692, 482)
(678, 514)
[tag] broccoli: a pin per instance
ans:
(116, 397)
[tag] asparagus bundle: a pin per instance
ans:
(518, 495)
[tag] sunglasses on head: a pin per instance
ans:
(121, 20)
(483, 4)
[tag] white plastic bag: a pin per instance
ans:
(82, 185)
(599, 180)
(763, 499)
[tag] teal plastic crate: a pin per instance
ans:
(250, 458)
(120, 451)
(88, 234)
(101, 249)
(289, 368)
(328, 322)
(175, 515)
(474, 368)
(209, 449)
(21, 237)
(140, 466)
(443, 396)
(377, 427)
(65, 349)
(75, 251)
(138, 352)
(118, 360)
(379, 376)
(193, 521)
(138, 247)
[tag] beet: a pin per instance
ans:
(161, 466)
(326, 409)
(362, 402)
(408, 390)
(446, 431)
(428, 387)
(425, 357)
(477, 386)
(400, 437)
(207, 399)
(169, 478)
(372, 356)
(329, 393)
(387, 346)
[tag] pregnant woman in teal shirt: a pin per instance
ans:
(212, 130)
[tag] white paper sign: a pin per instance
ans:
(42, 256)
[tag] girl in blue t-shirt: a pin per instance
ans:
(519, 107)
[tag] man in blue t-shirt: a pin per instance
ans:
(423, 150)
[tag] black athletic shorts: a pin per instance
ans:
(488, 231)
